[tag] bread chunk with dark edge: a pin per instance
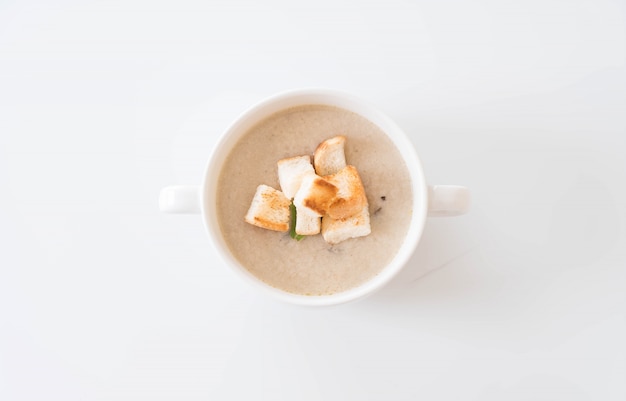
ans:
(330, 156)
(269, 209)
(315, 195)
(335, 231)
(351, 196)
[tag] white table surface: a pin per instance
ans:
(102, 297)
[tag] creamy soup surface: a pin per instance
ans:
(311, 266)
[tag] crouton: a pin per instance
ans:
(335, 231)
(307, 223)
(327, 187)
(329, 156)
(315, 195)
(290, 173)
(269, 209)
(351, 196)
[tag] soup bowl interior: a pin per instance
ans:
(264, 109)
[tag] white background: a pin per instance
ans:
(102, 103)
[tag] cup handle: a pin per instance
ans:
(443, 200)
(447, 200)
(180, 199)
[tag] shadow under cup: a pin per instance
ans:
(277, 103)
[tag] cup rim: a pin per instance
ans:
(292, 98)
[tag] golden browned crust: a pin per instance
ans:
(351, 198)
(269, 209)
(329, 156)
(321, 195)
(268, 224)
(335, 231)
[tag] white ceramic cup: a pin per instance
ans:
(428, 200)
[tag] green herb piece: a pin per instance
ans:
(292, 223)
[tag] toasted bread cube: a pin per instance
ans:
(290, 173)
(329, 156)
(307, 223)
(351, 198)
(269, 209)
(315, 195)
(335, 231)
